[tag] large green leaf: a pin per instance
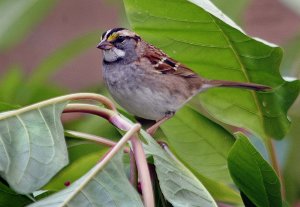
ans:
(200, 36)
(32, 146)
(83, 156)
(219, 191)
(253, 175)
(201, 144)
(109, 187)
(179, 186)
(18, 17)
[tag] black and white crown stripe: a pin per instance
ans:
(106, 34)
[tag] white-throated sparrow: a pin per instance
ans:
(146, 81)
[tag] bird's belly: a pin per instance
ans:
(143, 98)
(144, 102)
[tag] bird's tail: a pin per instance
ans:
(232, 84)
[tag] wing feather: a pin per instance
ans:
(166, 65)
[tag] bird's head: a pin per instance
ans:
(118, 44)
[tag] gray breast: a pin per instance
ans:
(142, 93)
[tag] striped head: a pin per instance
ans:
(118, 44)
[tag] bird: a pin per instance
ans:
(147, 82)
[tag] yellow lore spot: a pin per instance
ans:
(112, 37)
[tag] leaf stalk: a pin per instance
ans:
(274, 161)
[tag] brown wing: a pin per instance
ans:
(166, 65)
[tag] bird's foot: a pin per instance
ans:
(151, 130)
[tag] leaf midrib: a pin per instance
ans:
(232, 47)
(254, 154)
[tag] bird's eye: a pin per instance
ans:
(120, 39)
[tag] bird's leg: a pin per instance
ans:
(151, 130)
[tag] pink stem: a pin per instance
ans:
(139, 154)
(133, 171)
(141, 162)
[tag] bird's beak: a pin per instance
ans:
(104, 45)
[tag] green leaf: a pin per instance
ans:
(246, 201)
(32, 146)
(160, 200)
(179, 186)
(83, 156)
(201, 144)
(253, 175)
(220, 191)
(201, 37)
(109, 187)
(18, 17)
(7, 196)
(203, 147)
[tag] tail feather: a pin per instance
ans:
(232, 84)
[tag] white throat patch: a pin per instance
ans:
(113, 54)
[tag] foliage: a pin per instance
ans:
(201, 162)
(29, 160)
(220, 50)
(246, 167)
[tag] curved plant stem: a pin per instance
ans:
(274, 161)
(143, 171)
(96, 97)
(141, 162)
(76, 96)
(88, 108)
(95, 138)
(135, 128)
(133, 171)
(139, 154)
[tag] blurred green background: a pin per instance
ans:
(48, 48)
